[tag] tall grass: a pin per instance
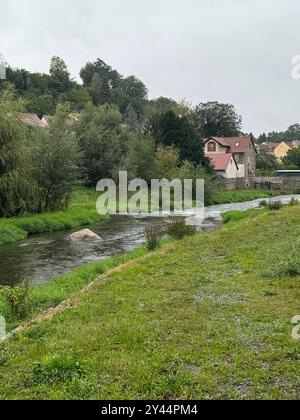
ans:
(178, 229)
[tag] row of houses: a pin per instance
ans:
(279, 150)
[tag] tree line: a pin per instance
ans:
(116, 128)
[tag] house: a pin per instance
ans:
(31, 120)
(224, 164)
(282, 149)
(47, 119)
(73, 118)
(265, 148)
(241, 148)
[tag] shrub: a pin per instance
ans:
(178, 228)
(153, 236)
(294, 202)
(58, 369)
(274, 205)
(263, 203)
(290, 267)
(18, 299)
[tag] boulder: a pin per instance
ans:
(84, 235)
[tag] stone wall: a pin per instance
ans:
(268, 183)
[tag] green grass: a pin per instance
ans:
(239, 196)
(207, 317)
(81, 212)
(50, 295)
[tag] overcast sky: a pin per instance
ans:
(236, 51)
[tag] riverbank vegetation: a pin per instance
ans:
(80, 212)
(240, 196)
(207, 317)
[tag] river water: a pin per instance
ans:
(40, 258)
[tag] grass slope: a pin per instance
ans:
(81, 212)
(207, 317)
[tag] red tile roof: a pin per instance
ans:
(236, 144)
(220, 161)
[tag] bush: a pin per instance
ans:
(18, 299)
(58, 369)
(153, 236)
(274, 205)
(178, 228)
(294, 202)
(288, 268)
(263, 203)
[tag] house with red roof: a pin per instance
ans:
(240, 149)
(224, 164)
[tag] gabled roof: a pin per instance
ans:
(31, 119)
(290, 144)
(238, 144)
(275, 145)
(264, 147)
(220, 161)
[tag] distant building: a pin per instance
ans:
(73, 118)
(224, 164)
(31, 120)
(282, 149)
(242, 149)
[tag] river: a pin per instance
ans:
(40, 258)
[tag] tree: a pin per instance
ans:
(99, 78)
(17, 190)
(266, 163)
(56, 156)
(216, 119)
(292, 160)
(60, 77)
(293, 133)
(102, 141)
(166, 162)
(178, 132)
(191, 171)
(139, 161)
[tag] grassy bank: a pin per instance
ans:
(63, 287)
(240, 196)
(207, 317)
(81, 212)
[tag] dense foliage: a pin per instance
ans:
(291, 134)
(97, 128)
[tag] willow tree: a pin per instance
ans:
(17, 191)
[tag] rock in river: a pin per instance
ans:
(84, 235)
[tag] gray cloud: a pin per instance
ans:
(236, 51)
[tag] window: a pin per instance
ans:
(239, 157)
(212, 147)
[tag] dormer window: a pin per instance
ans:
(212, 147)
